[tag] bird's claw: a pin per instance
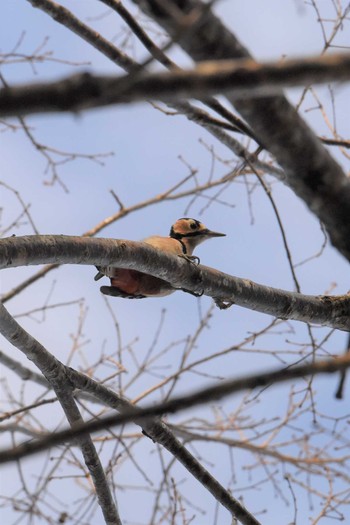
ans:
(193, 259)
(222, 303)
(147, 435)
(196, 294)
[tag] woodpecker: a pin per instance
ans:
(184, 236)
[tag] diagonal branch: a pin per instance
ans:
(333, 311)
(311, 171)
(92, 461)
(54, 373)
(70, 21)
(64, 379)
(202, 396)
(65, 17)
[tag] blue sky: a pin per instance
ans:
(147, 148)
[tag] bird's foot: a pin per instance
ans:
(196, 294)
(197, 278)
(222, 303)
(193, 259)
(147, 435)
(116, 292)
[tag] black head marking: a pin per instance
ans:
(194, 224)
(173, 234)
(192, 228)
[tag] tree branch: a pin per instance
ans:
(311, 171)
(63, 16)
(55, 373)
(202, 396)
(64, 379)
(333, 311)
(71, 22)
(340, 389)
(236, 78)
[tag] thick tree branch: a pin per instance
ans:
(218, 391)
(28, 375)
(91, 458)
(168, 195)
(236, 78)
(333, 311)
(160, 433)
(64, 379)
(311, 171)
(67, 19)
(23, 372)
(55, 373)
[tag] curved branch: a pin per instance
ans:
(332, 311)
(311, 172)
(169, 194)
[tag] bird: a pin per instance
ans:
(185, 235)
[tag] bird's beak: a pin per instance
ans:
(209, 233)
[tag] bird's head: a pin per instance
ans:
(191, 232)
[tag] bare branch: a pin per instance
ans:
(340, 389)
(54, 373)
(237, 79)
(218, 391)
(311, 172)
(331, 311)
(63, 16)
(65, 378)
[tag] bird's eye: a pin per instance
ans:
(193, 226)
